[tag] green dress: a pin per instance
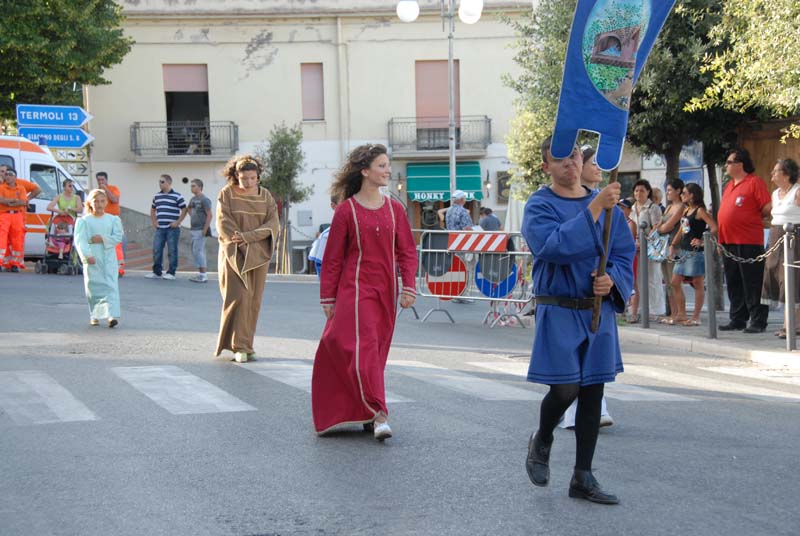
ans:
(101, 279)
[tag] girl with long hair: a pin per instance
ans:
(690, 240)
(247, 225)
(370, 240)
(96, 237)
(670, 225)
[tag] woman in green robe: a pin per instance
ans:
(96, 237)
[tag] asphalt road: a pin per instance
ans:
(140, 431)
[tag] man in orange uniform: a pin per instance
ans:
(112, 194)
(15, 194)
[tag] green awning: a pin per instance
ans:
(431, 181)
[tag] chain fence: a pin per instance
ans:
(652, 248)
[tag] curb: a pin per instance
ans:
(712, 347)
(213, 276)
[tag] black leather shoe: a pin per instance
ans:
(755, 329)
(585, 486)
(538, 462)
(732, 326)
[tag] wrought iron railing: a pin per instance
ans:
(473, 133)
(184, 138)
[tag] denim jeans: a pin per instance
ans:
(168, 236)
(198, 248)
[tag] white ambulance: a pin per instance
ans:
(36, 164)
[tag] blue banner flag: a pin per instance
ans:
(608, 46)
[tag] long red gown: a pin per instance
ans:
(359, 277)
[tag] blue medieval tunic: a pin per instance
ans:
(101, 280)
(567, 244)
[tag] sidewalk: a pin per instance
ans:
(763, 348)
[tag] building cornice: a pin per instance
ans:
(246, 9)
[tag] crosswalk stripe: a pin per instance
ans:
(637, 393)
(297, 374)
(33, 397)
(461, 382)
(775, 376)
(512, 368)
(615, 390)
(708, 384)
(180, 392)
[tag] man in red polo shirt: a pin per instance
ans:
(745, 205)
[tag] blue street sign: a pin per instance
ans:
(67, 138)
(45, 115)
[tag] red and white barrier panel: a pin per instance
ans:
(477, 242)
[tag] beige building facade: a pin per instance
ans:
(210, 78)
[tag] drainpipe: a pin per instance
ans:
(344, 94)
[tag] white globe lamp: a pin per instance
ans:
(407, 10)
(470, 8)
(467, 18)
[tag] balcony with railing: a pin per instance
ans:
(168, 141)
(428, 137)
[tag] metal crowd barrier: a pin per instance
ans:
(467, 266)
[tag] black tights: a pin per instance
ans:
(587, 418)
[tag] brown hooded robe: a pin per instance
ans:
(243, 268)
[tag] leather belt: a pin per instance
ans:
(12, 212)
(569, 303)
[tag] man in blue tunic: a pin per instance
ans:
(563, 225)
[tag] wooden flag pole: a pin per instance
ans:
(601, 266)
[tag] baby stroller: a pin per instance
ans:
(60, 256)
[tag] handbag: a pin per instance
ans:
(658, 247)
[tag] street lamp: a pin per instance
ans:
(469, 11)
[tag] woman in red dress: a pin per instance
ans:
(370, 238)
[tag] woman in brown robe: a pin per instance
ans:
(247, 224)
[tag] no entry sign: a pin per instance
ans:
(452, 283)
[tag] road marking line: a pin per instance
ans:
(461, 382)
(33, 397)
(615, 390)
(180, 392)
(297, 374)
(708, 384)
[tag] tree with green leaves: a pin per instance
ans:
(541, 49)
(658, 121)
(284, 159)
(758, 67)
(49, 49)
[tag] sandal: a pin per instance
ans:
(633, 319)
(690, 322)
(667, 320)
(781, 333)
